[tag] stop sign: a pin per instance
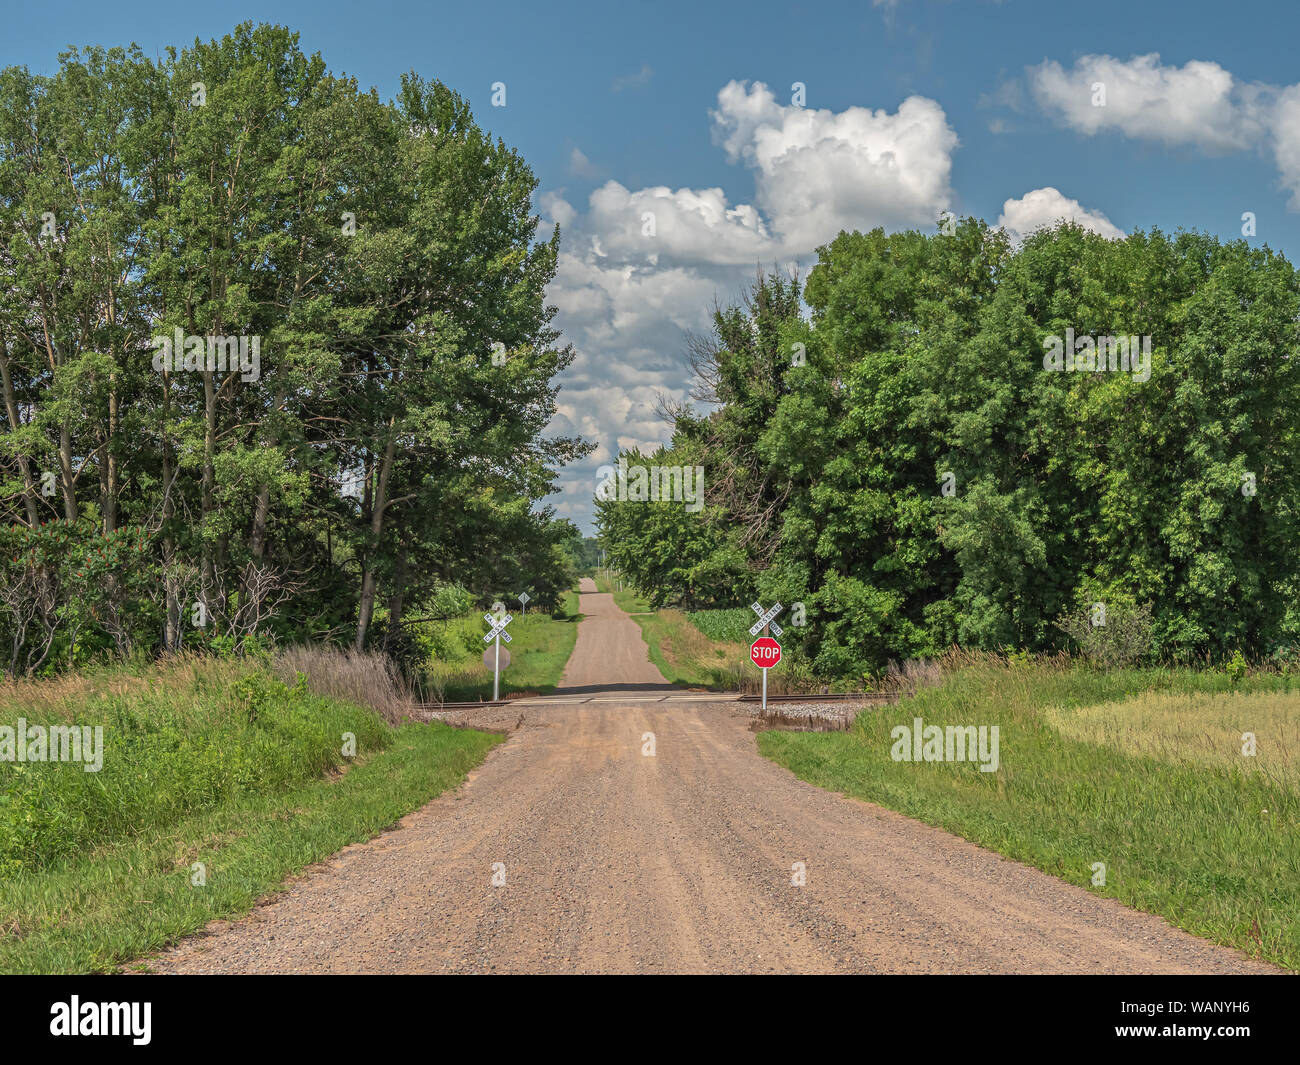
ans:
(765, 652)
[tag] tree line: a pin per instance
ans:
(274, 353)
(948, 439)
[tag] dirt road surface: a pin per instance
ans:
(610, 653)
(618, 861)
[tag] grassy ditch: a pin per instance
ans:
(216, 781)
(1140, 770)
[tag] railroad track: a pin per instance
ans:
(838, 697)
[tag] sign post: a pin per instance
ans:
(765, 652)
(523, 598)
(498, 627)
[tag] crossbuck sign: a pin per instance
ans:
(765, 618)
(498, 633)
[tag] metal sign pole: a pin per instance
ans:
(496, 672)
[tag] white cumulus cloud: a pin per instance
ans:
(665, 226)
(820, 171)
(1199, 103)
(1285, 141)
(1045, 207)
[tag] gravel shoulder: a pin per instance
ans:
(684, 860)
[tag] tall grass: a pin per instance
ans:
(1197, 728)
(365, 678)
(186, 735)
(117, 901)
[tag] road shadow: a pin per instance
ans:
(592, 689)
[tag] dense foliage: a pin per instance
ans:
(904, 461)
(348, 409)
(582, 551)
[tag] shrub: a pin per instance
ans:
(1123, 637)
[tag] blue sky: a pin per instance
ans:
(912, 107)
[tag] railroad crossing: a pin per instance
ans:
(765, 652)
(497, 625)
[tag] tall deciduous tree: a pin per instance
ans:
(231, 285)
(926, 478)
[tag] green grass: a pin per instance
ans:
(177, 738)
(686, 657)
(200, 765)
(539, 649)
(1215, 849)
(570, 604)
(710, 649)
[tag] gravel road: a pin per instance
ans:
(614, 860)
